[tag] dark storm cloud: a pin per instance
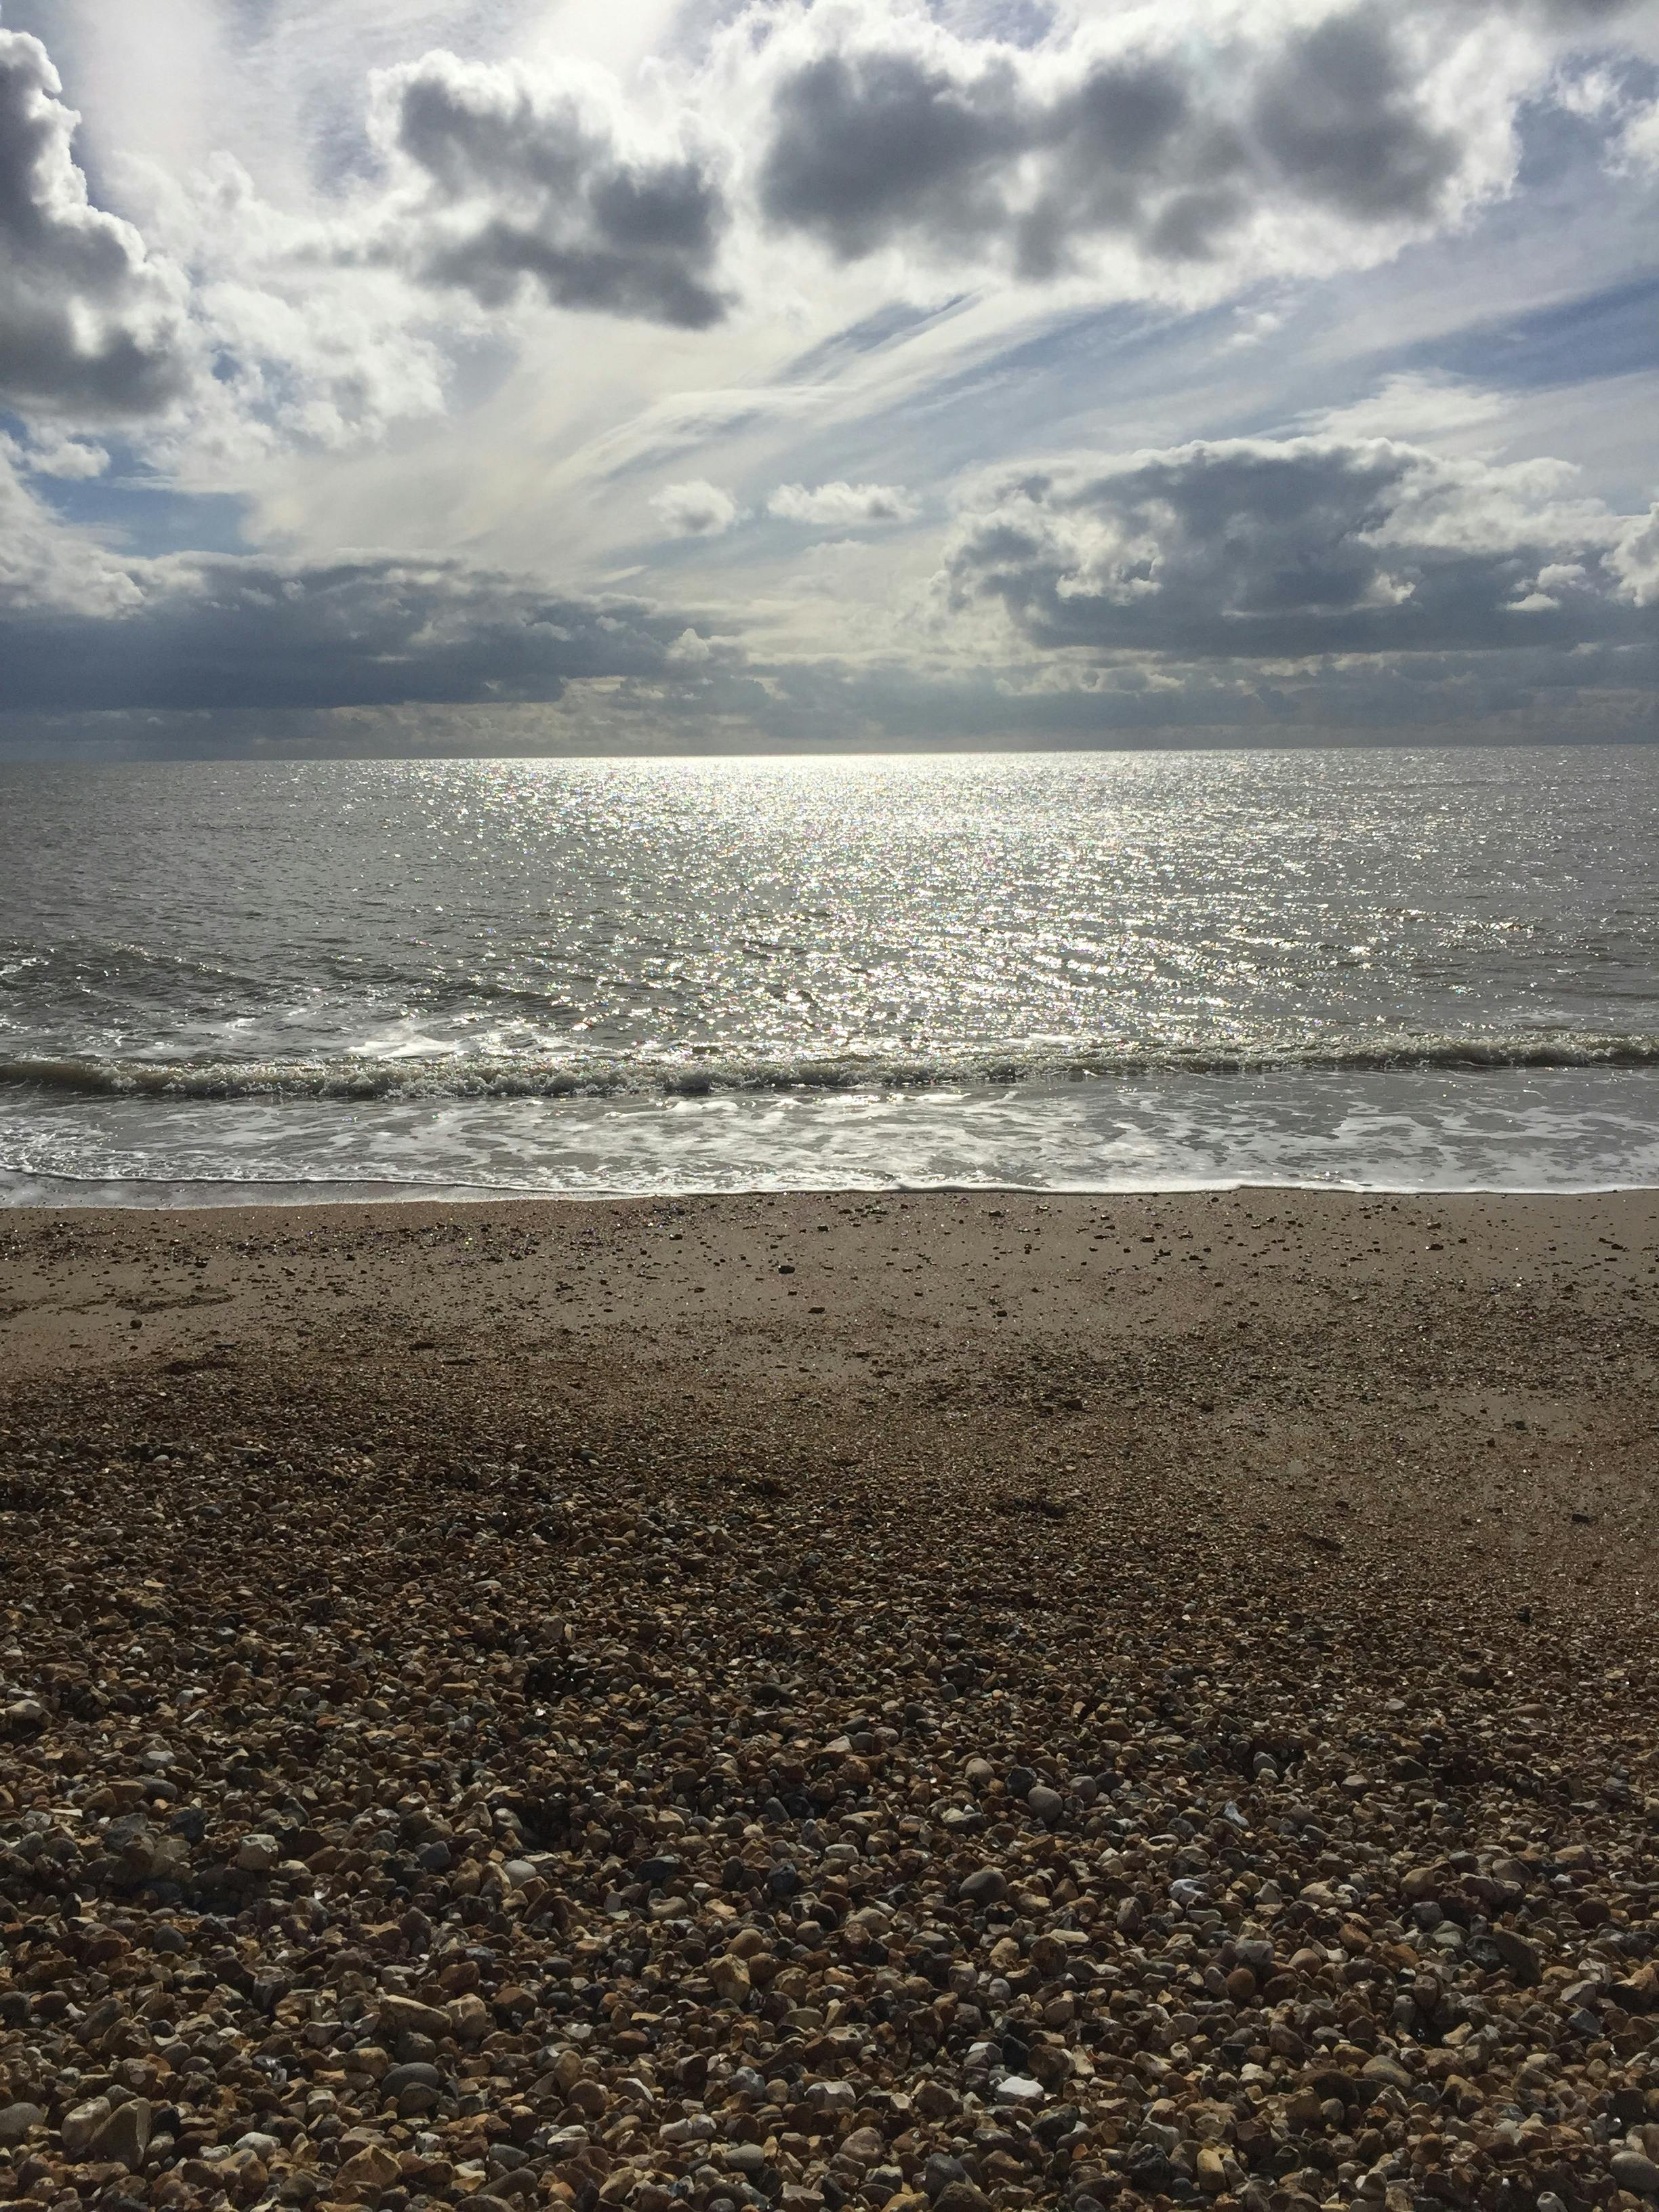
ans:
(232, 632)
(1299, 548)
(899, 137)
(90, 326)
(515, 180)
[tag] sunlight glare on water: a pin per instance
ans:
(525, 930)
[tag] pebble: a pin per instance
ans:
(419, 1813)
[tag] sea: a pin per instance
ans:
(1357, 968)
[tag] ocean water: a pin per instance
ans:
(1383, 968)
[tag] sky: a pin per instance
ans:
(380, 377)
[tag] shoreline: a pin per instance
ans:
(939, 1703)
(360, 1193)
(1594, 1129)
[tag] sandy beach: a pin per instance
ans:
(934, 1700)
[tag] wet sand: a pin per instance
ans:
(1490, 1362)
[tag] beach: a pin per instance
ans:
(946, 1700)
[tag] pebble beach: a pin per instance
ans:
(804, 1702)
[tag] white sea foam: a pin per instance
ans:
(1560, 1130)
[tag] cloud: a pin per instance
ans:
(1140, 151)
(83, 628)
(91, 325)
(45, 565)
(1191, 151)
(243, 650)
(508, 178)
(1187, 152)
(841, 506)
(1411, 406)
(1638, 144)
(1289, 548)
(1635, 558)
(695, 509)
(1578, 14)
(51, 454)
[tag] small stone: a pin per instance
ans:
(259, 1854)
(1519, 1956)
(1211, 2171)
(832, 2096)
(985, 1886)
(1388, 2072)
(124, 2137)
(1636, 2173)
(416, 2075)
(864, 2144)
(17, 2121)
(372, 2167)
(402, 2016)
(80, 2126)
(730, 1978)
(242, 2174)
(1046, 1804)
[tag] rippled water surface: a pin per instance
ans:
(458, 971)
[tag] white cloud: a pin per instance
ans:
(1635, 558)
(1638, 144)
(45, 565)
(1418, 408)
(92, 324)
(841, 506)
(695, 509)
(51, 454)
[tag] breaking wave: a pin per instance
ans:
(699, 1075)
